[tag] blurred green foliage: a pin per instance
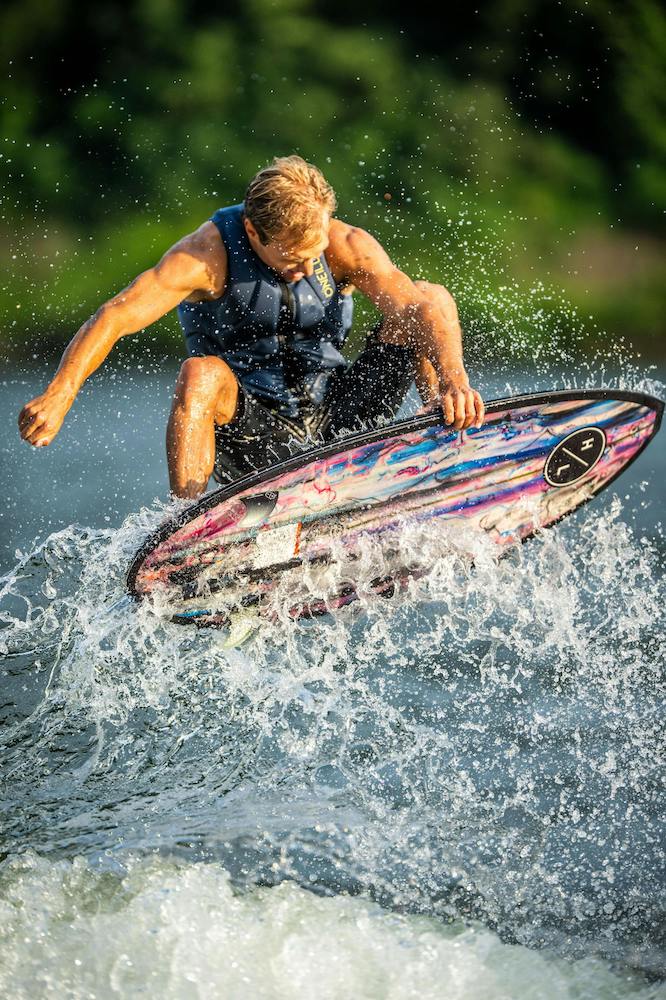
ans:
(525, 149)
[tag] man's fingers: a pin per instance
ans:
(35, 428)
(463, 408)
(480, 408)
(454, 409)
(449, 412)
(40, 420)
(470, 411)
(36, 434)
(460, 410)
(25, 416)
(32, 423)
(29, 414)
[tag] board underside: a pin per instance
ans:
(535, 460)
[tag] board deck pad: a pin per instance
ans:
(535, 460)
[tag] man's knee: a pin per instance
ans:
(208, 384)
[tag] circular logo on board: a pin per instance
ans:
(573, 458)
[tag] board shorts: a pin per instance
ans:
(366, 394)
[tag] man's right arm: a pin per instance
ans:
(197, 263)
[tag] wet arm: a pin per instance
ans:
(414, 319)
(182, 271)
(149, 297)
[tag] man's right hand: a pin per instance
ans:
(196, 264)
(40, 420)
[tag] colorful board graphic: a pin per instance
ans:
(535, 460)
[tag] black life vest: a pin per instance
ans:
(282, 339)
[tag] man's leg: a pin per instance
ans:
(206, 393)
(371, 391)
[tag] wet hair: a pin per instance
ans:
(285, 201)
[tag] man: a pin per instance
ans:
(263, 292)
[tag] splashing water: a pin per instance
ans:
(454, 793)
(193, 935)
(484, 748)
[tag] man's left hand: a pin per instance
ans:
(462, 405)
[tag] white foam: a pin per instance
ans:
(176, 931)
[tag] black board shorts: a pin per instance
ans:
(366, 394)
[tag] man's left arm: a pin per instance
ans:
(414, 318)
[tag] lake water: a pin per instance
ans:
(454, 794)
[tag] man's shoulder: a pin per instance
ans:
(340, 233)
(349, 245)
(203, 253)
(204, 245)
(206, 238)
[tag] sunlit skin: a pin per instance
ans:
(291, 263)
(419, 314)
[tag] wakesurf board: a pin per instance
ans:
(535, 460)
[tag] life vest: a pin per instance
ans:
(281, 339)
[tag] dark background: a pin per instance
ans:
(514, 150)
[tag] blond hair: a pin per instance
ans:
(285, 201)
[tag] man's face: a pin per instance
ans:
(291, 262)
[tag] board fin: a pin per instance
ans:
(242, 626)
